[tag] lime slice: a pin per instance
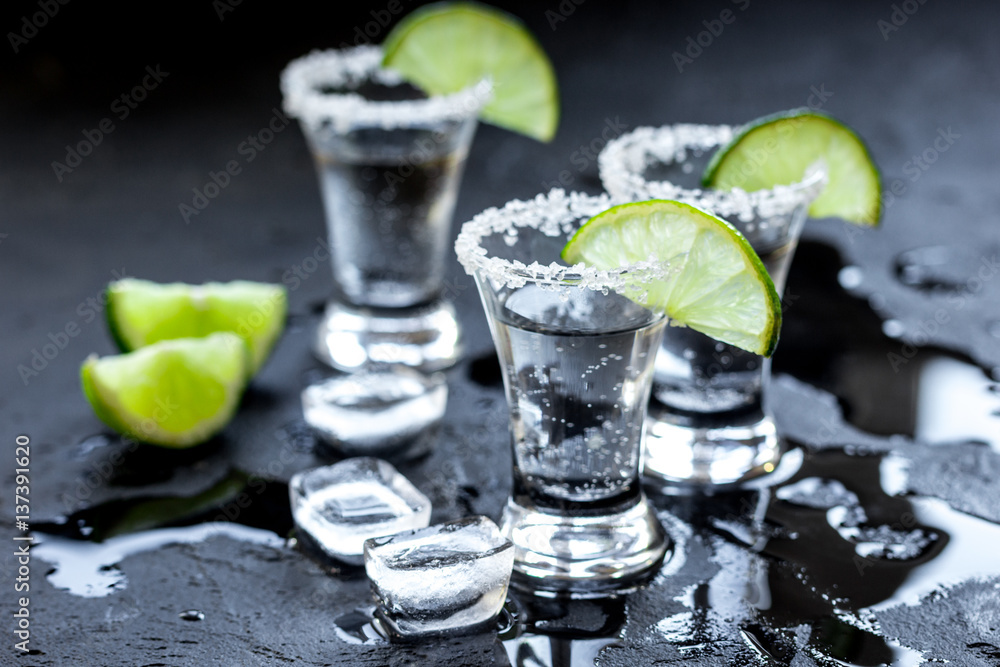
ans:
(777, 150)
(175, 393)
(721, 288)
(446, 47)
(141, 312)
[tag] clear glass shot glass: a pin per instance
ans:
(389, 161)
(577, 365)
(710, 423)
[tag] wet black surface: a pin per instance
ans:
(879, 548)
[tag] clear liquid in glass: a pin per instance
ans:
(577, 373)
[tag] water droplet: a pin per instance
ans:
(935, 268)
(192, 615)
(893, 328)
(90, 443)
(850, 277)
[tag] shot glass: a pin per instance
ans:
(710, 423)
(577, 364)
(389, 161)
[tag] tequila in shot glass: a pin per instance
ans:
(389, 161)
(577, 364)
(709, 421)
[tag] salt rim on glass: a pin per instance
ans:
(303, 81)
(556, 213)
(622, 162)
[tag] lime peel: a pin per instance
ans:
(721, 287)
(779, 149)
(174, 393)
(141, 312)
(446, 47)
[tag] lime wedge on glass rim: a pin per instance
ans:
(174, 393)
(721, 288)
(141, 312)
(778, 149)
(448, 46)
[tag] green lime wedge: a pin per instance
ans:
(777, 150)
(175, 393)
(141, 312)
(721, 288)
(445, 47)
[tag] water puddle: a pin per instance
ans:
(558, 632)
(85, 549)
(886, 385)
(808, 566)
(90, 569)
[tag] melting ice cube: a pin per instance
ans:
(341, 505)
(392, 412)
(450, 577)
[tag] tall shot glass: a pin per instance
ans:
(389, 162)
(710, 422)
(577, 364)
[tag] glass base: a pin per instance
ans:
(427, 338)
(678, 453)
(584, 556)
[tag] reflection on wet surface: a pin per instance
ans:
(807, 571)
(938, 268)
(86, 547)
(886, 386)
(800, 569)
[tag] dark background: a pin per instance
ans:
(64, 236)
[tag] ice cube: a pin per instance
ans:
(390, 413)
(448, 578)
(340, 506)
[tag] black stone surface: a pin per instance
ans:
(757, 579)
